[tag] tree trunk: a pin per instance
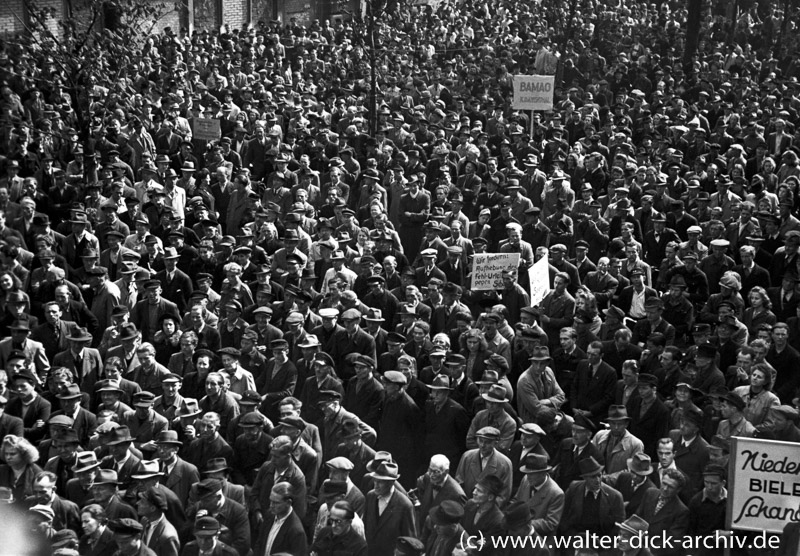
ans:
(695, 8)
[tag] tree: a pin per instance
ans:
(90, 46)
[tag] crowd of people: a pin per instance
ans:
(269, 343)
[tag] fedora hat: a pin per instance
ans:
(215, 465)
(128, 331)
(106, 477)
(146, 470)
(586, 423)
(79, 334)
(71, 392)
(378, 459)
(634, 525)
(618, 413)
(497, 394)
(589, 466)
(447, 513)
(119, 436)
(640, 464)
(168, 437)
(534, 463)
(517, 515)
(540, 353)
(386, 471)
(440, 382)
(85, 461)
(189, 407)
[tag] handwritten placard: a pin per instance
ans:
(487, 269)
(763, 484)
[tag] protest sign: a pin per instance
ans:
(539, 278)
(206, 129)
(487, 269)
(763, 485)
(533, 92)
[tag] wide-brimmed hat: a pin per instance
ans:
(120, 435)
(168, 437)
(85, 461)
(540, 353)
(146, 470)
(634, 525)
(448, 512)
(640, 464)
(71, 392)
(589, 466)
(106, 477)
(618, 413)
(386, 471)
(215, 465)
(79, 334)
(189, 408)
(497, 393)
(534, 463)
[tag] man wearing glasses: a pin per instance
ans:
(339, 536)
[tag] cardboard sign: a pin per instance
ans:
(533, 92)
(539, 277)
(763, 484)
(487, 269)
(206, 129)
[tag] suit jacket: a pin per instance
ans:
(691, 460)
(291, 537)
(181, 479)
(672, 519)
(603, 287)
(567, 461)
(91, 365)
(276, 384)
(594, 393)
(53, 341)
(84, 425)
(782, 146)
(139, 316)
(446, 431)
(199, 452)
(397, 520)
(626, 297)
(360, 342)
(429, 497)
(367, 402)
(331, 431)
(490, 523)
(650, 427)
(235, 527)
(469, 471)
(623, 482)
(265, 480)
(612, 509)
(444, 320)
(616, 358)
(759, 276)
(546, 504)
(10, 425)
(125, 474)
(39, 410)
(40, 365)
(105, 545)
(178, 290)
(164, 539)
(623, 450)
(119, 351)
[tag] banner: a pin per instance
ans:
(539, 277)
(533, 92)
(206, 129)
(487, 269)
(763, 485)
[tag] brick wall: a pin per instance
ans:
(9, 24)
(235, 13)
